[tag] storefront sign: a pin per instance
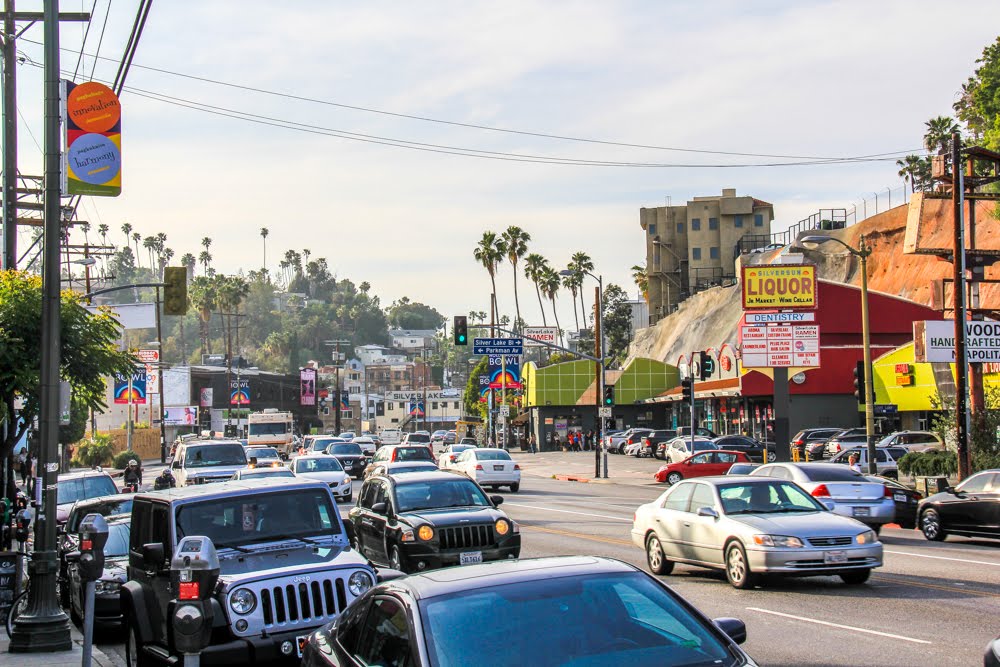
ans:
(780, 318)
(534, 336)
(780, 346)
(934, 341)
(779, 286)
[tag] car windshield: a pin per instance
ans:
(263, 453)
(107, 508)
(492, 455)
(831, 473)
(215, 455)
(82, 488)
(775, 497)
(320, 444)
(117, 544)
(347, 448)
(413, 454)
(418, 437)
(318, 464)
(271, 428)
(742, 468)
(551, 622)
(245, 519)
(457, 492)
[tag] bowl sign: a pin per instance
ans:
(779, 286)
(93, 156)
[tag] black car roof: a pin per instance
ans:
(497, 573)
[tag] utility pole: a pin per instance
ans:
(336, 373)
(958, 266)
(159, 373)
(598, 381)
(9, 139)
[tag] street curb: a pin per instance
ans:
(570, 478)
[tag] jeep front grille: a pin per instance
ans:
(305, 603)
(465, 537)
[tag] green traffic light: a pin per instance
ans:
(461, 338)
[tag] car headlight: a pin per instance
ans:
(867, 537)
(780, 541)
(106, 587)
(502, 527)
(425, 533)
(243, 601)
(359, 583)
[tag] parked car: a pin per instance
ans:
(971, 509)
(326, 469)
(570, 610)
(835, 444)
(753, 526)
(490, 467)
(700, 465)
(992, 656)
(425, 520)
(848, 491)
(207, 461)
(351, 458)
(701, 430)
(742, 468)
(651, 441)
(107, 589)
(261, 473)
(679, 448)
(73, 487)
(118, 505)
(632, 445)
(450, 455)
(885, 459)
(808, 437)
(616, 442)
(905, 499)
(753, 448)
(913, 441)
(400, 453)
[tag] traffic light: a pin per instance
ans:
(175, 300)
(687, 389)
(706, 364)
(461, 330)
(609, 395)
(859, 382)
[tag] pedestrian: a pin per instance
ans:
(591, 441)
(33, 480)
(23, 467)
(531, 443)
(852, 461)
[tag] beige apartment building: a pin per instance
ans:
(693, 247)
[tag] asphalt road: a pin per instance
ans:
(930, 604)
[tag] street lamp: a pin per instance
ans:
(862, 252)
(599, 345)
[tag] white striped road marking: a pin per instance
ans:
(838, 625)
(957, 560)
(552, 509)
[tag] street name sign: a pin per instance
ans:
(780, 346)
(779, 286)
(934, 341)
(535, 336)
(498, 346)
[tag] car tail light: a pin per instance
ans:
(821, 492)
(888, 491)
(479, 466)
(517, 467)
(917, 495)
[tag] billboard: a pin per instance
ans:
(239, 392)
(180, 416)
(934, 341)
(779, 287)
(504, 371)
(130, 390)
(307, 386)
(92, 116)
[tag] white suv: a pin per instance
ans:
(205, 461)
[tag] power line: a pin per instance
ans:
(488, 128)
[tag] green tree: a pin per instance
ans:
(406, 314)
(573, 282)
(641, 280)
(937, 137)
(263, 235)
(582, 264)
(515, 244)
(617, 321)
(88, 351)
(534, 267)
(917, 171)
(202, 296)
(490, 252)
(550, 284)
(978, 105)
(471, 396)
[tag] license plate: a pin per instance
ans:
(901, 497)
(861, 511)
(834, 556)
(470, 558)
(300, 643)
(499, 467)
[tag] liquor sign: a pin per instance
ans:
(93, 157)
(239, 392)
(307, 386)
(535, 336)
(130, 390)
(934, 341)
(780, 346)
(779, 287)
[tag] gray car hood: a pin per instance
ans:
(801, 524)
(236, 567)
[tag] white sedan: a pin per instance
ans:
(367, 444)
(490, 467)
(449, 456)
(679, 449)
(325, 469)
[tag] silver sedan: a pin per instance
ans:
(749, 526)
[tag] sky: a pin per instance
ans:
(816, 79)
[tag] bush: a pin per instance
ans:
(122, 459)
(94, 452)
(929, 464)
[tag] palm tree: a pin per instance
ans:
(572, 282)
(189, 261)
(85, 226)
(515, 242)
(202, 295)
(909, 170)
(149, 243)
(581, 263)
(136, 237)
(102, 229)
(641, 279)
(489, 252)
(937, 138)
(263, 235)
(550, 284)
(207, 242)
(534, 265)
(165, 258)
(205, 259)
(127, 231)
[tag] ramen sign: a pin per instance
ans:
(779, 287)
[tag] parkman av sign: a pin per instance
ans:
(779, 287)
(934, 341)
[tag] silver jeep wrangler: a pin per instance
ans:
(286, 568)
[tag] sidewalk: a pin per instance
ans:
(73, 657)
(580, 467)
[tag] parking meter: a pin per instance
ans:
(22, 521)
(194, 571)
(93, 537)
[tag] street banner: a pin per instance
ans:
(416, 408)
(152, 378)
(484, 388)
(205, 397)
(504, 371)
(93, 135)
(239, 392)
(779, 287)
(134, 393)
(181, 416)
(307, 386)
(345, 400)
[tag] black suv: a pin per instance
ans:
(752, 447)
(425, 520)
(286, 567)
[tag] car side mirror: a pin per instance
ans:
(952, 490)
(380, 508)
(734, 628)
(153, 555)
(708, 511)
(497, 500)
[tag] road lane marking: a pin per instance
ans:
(567, 533)
(552, 509)
(957, 560)
(838, 625)
(938, 587)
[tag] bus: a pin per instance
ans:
(272, 428)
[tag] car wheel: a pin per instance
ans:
(738, 568)
(856, 577)
(673, 478)
(396, 561)
(133, 656)
(655, 558)
(877, 528)
(514, 488)
(930, 526)
(348, 497)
